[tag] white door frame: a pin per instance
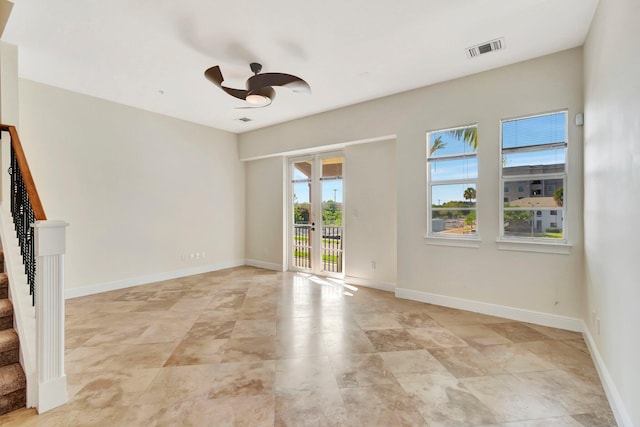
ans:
(316, 213)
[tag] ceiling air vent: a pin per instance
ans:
(481, 49)
(244, 119)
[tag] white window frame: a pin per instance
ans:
(536, 244)
(468, 241)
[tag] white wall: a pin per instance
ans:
(612, 203)
(139, 189)
(548, 283)
(370, 217)
(265, 212)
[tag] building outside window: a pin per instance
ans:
(534, 157)
(452, 173)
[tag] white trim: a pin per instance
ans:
(320, 149)
(535, 246)
(452, 241)
(368, 283)
(519, 314)
(265, 265)
(150, 278)
(615, 401)
(52, 393)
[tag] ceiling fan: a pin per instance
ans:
(259, 91)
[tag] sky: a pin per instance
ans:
(301, 190)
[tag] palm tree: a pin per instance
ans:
(437, 145)
(470, 193)
(468, 135)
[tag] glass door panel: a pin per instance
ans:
(332, 196)
(302, 183)
(317, 230)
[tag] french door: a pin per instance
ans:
(316, 227)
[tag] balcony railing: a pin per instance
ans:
(331, 247)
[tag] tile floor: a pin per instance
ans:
(250, 347)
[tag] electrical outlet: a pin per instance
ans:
(197, 255)
(183, 257)
(203, 255)
(192, 256)
(373, 265)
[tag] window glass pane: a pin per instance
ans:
(529, 131)
(442, 170)
(543, 223)
(302, 170)
(453, 196)
(453, 221)
(451, 142)
(535, 193)
(301, 203)
(534, 162)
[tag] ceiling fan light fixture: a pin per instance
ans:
(256, 99)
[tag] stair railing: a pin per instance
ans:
(26, 207)
(42, 246)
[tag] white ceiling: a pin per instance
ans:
(151, 54)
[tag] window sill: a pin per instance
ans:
(562, 248)
(457, 242)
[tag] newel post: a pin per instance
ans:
(49, 252)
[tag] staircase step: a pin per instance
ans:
(6, 314)
(4, 286)
(13, 384)
(9, 347)
(1, 261)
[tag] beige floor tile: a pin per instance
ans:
(393, 340)
(464, 362)
(371, 321)
(347, 342)
(358, 370)
(436, 337)
(204, 351)
(415, 366)
(381, 405)
(478, 335)
(514, 359)
(254, 328)
(448, 404)
(414, 319)
(252, 347)
(179, 383)
(511, 399)
(306, 393)
(517, 332)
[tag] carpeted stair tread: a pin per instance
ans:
(4, 286)
(13, 386)
(6, 308)
(9, 340)
(12, 378)
(6, 314)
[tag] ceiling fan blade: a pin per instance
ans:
(294, 83)
(214, 75)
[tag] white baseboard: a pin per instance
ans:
(617, 406)
(150, 278)
(265, 265)
(519, 314)
(368, 283)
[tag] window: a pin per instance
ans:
(452, 172)
(534, 157)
